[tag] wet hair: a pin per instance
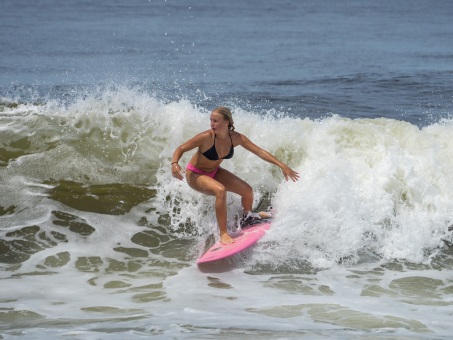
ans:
(226, 113)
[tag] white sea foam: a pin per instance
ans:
(376, 185)
(367, 185)
(374, 197)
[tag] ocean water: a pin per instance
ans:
(98, 241)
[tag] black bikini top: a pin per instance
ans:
(212, 154)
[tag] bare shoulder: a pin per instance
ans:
(206, 134)
(205, 138)
(199, 140)
(238, 138)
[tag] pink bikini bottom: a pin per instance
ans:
(201, 172)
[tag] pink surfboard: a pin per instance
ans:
(245, 239)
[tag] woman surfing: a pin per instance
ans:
(204, 174)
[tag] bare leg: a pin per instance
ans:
(238, 186)
(234, 184)
(210, 186)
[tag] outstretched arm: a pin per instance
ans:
(268, 157)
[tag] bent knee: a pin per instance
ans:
(247, 190)
(220, 191)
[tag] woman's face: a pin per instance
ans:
(218, 121)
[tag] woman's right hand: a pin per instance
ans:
(176, 171)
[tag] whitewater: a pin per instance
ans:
(97, 230)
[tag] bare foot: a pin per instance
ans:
(265, 214)
(226, 239)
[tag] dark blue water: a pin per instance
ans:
(306, 58)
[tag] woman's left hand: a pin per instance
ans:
(290, 174)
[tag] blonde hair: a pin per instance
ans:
(226, 114)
